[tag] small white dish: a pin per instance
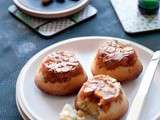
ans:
(54, 10)
(38, 105)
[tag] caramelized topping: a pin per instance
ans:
(114, 53)
(103, 88)
(61, 61)
(60, 66)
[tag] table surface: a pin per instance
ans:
(19, 44)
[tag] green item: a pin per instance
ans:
(148, 7)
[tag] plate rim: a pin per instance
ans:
(48, 48)
(20, 110)
(20, 105)
(53, 14)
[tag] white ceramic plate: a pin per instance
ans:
(54, 10)
(21, 112)
(40, 106)
(18, 103)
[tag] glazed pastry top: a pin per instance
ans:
(113, 54)
(59, 66)
(101, 89)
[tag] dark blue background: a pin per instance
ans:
(18, 43)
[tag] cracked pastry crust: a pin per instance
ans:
(118, 60)
(60, 73)
(103, 98)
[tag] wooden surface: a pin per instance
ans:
(19, 43)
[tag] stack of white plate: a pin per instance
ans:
(19, 106)
(36, 105)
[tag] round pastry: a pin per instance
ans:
(60, 73)
(118, 60)
(103, 98)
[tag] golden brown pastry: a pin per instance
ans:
(103, 98)
(60, 73)
(118, 60)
